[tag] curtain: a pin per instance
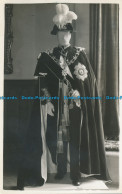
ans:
(104, 51)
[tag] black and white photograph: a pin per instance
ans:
(61, 97)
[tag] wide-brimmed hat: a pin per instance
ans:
(63, 19)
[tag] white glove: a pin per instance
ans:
(75, 93)
(77, 101)
(50, 109)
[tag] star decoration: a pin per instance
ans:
(81, 71)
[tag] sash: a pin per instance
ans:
(56, 70)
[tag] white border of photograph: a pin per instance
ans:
(2, 24)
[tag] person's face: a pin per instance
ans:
(64, 37)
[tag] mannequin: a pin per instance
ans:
(65, 71)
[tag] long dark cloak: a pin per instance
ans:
(92, 151)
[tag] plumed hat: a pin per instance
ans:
(63, 19)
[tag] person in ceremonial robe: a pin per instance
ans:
(64, 72)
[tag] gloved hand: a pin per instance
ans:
(50, 109)
(75, 94)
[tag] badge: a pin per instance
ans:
(81, 71)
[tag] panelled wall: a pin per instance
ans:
(31, 25)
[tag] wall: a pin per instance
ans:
(31, 24)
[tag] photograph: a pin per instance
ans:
(61, 97)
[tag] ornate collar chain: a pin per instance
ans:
(69, 62)
(64, 47)
(63, 50)
(64, 54)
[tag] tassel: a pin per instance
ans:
(63, 122)
(65, 134)
(60, 142)
(60, 147)
(59, 135)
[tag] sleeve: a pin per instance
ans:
(92, 83)
(40, 67)
(42, 75)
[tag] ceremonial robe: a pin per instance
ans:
(92, 157)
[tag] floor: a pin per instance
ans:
(53, 185)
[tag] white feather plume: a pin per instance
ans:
(71, 16)
(62, 9)
(63, 15)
